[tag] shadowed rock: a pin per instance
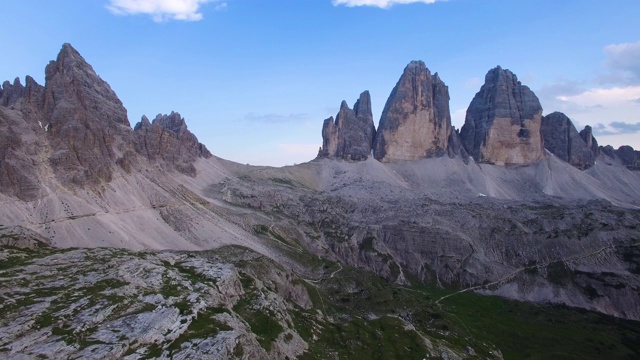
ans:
(455, 147)
(416, 121)
(587, 136)
(503, 122)
(350, 136)
(168, 139)
(629, 157)
(562, 139)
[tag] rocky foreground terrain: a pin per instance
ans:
(515, 237)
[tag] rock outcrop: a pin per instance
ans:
(350, 136)
(83, 118)
(625, 154)
(587, 136)
(416, 121)
(563, 140)
(169, 140)
(455, 147)
(76, 128)
(503, 122)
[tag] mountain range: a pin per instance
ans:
(514, 204)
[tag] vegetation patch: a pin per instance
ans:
(202, 326)
(262, 323)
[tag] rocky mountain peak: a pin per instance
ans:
(168, 139)
(587, 136)
(362, 106)
(72, 82)
(350, 136)
(416, 120)
(173, 122)
(503, 122)
(562, 139)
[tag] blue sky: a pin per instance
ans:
(255, 78)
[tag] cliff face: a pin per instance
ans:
(76, 127)
(416, 121)
(503, 122)
(350, 136)
(563, 140)
(167, 139)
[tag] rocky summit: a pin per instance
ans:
(350, 136)
(503, 122)
(563, 140)
(416, 121)
(139, 243)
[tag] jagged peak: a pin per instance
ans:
(144, 123)
(68, 60)
(416, 64)
(173, 122)
(362, 107)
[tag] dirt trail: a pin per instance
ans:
(520, 270)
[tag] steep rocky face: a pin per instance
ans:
(416, 121)
(503, 122)
(76, 127)
(82, 116)
(562, 139)
(168, 139)
(625, 154)
(587, 136)
(455, 147)
(350, 136)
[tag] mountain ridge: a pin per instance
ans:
(82, 180)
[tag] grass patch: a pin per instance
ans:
(262, 323)
(384, 338)
(529, 331)
(204, 325)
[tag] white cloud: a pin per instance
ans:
(383, 4)
(162, 10)
(623, 61)
(604, 96)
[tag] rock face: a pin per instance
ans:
(416, 121)
(503, 122)
(76, 127)
(587, 136)
(168, 139)
(562, 139)
(625, 155)
(350, 136)
(455, 147)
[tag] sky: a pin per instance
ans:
(254, 79)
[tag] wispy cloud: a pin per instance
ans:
(623, 62)
(383, 4)
(276, 118)
(163, 10)
(616, 127)
(604, 96)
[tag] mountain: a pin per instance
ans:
(133, 243)
(350, 136)
(416, 120)
(563, 140)
(503, 122)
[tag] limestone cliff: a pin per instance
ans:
(350, 136)
(503, 122)
(416, 121)
(563, 140)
